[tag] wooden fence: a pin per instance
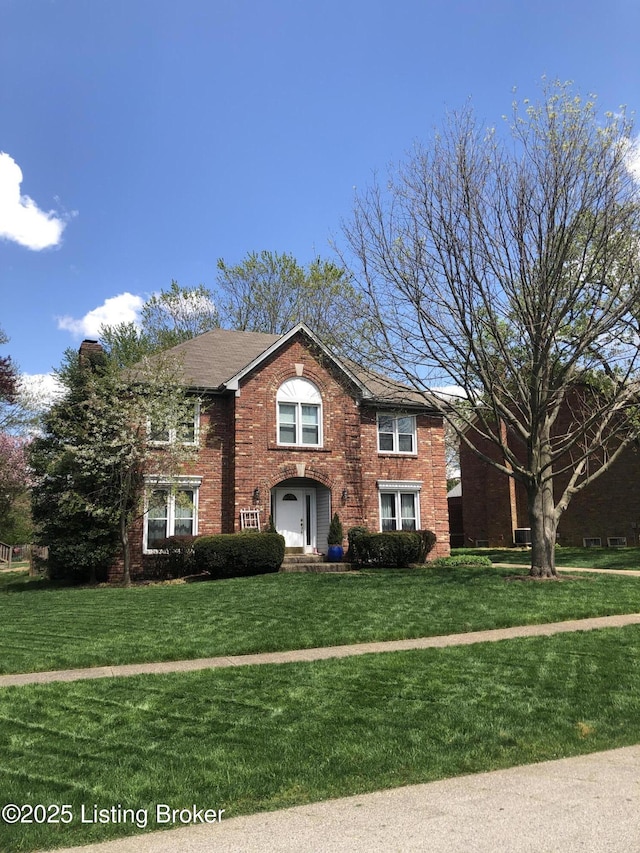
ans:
(10, 554)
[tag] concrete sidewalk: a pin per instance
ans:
(323, 653)
(589, 804)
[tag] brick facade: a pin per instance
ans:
(240, 458)
(493, 505)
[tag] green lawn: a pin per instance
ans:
(582, 558)
(47, 628)
(267, 737)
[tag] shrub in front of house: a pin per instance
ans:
(353, 536)
(390, 550)
(231, 555)
(81, 555)
(429, 540)
(174, 560)
(363, 550)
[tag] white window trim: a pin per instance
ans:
(397, 488)
(396, 451)
(299, 402)
(171, 485)
(173, 432)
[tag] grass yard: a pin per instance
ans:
(47, 628)
(262, 738)
(580, 558)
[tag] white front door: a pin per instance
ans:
(295, 510)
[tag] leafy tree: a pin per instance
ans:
(167, 319)
(509, 268)
(11, 414)
(15, 527)
(15, 417)
(271, 292)
(92, 457)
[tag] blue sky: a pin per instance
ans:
(144, 139)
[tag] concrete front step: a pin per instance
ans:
(303, 558)
(296, 562)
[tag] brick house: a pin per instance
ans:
(606, 512)
(287, 429)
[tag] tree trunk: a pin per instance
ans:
(542, 519)
(126, 555)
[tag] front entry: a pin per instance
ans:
(295, 517)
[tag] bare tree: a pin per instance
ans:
(507, 266)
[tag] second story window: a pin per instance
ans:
(299, 413)
(186, 432)
(396, 433)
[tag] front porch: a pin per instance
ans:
(301, 512)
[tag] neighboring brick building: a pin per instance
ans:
(606, 512)
(288, 429)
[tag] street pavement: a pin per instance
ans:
(589, 804)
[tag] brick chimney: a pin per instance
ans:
(89, 349)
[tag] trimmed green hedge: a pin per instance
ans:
(391, 550)
(232, 555)
(174, 560)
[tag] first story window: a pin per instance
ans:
(170, 511)
(399, 506)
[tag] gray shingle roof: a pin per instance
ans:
(214, 359)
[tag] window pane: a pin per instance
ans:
(386, 441)
(310, 432)
(408, 511)
(310, 415)
(158, 503)
(287, 435)
(157, 518)
(406, 432)
(187, 429)
(287, 416)
(287, 413)
(310, 435)
(156, 533)
(184, 512)
(405, 443)
(388, 510)
(157, 432)
(385, 433)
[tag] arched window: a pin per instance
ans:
(299, 413)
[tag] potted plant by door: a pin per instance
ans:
(335, 551)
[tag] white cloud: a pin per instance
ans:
(124, 308)
(633, 158)
(40, 390)
(21, 220)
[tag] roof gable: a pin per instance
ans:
(218, 361)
